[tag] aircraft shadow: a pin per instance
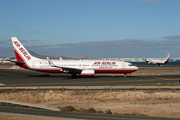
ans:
(63, 76)
(78, 76)
(46, 75)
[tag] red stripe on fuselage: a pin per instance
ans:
(114, 70)
(58, 70)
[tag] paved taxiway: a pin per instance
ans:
(12, 77)
(78, 115)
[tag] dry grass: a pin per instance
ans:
(37, 97)
(151, 103)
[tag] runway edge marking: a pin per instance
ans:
(30, 105)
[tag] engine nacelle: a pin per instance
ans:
(87, 73)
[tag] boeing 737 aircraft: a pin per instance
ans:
(74, 67)
(158, 62)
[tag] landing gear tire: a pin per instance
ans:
(73, 75)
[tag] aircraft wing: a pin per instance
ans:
(69, 69)
(148, 61)
(152, 63)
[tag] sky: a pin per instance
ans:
(95, 28)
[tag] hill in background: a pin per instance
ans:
(63, 57)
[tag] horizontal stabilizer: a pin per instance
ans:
(19, 63)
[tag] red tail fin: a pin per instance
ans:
(22, 55)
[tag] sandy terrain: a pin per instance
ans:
(151, 103)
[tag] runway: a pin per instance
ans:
(17, 78)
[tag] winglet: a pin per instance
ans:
(167, 58)
(50, 62)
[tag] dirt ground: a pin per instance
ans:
(150, 103)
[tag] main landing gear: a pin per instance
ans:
(161, 65)
(73, 75)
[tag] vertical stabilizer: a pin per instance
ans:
(167, 58)
(22, 55)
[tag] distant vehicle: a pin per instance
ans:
(74, 67)
(158, 62)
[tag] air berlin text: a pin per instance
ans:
(22, 50)
(104, 63)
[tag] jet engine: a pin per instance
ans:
(87, 73)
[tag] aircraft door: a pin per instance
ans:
(33, 65)
(123, 65)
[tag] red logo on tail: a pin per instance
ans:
(22, 50)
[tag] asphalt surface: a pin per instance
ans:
(78, 115)
(18, 78)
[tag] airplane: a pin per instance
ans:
(73, 67)
(158, 62)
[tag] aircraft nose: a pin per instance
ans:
(136, 68)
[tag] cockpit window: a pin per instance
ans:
(130, 65)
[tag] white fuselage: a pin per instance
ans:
(97, 66)
(157, 61)
(154, 61)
